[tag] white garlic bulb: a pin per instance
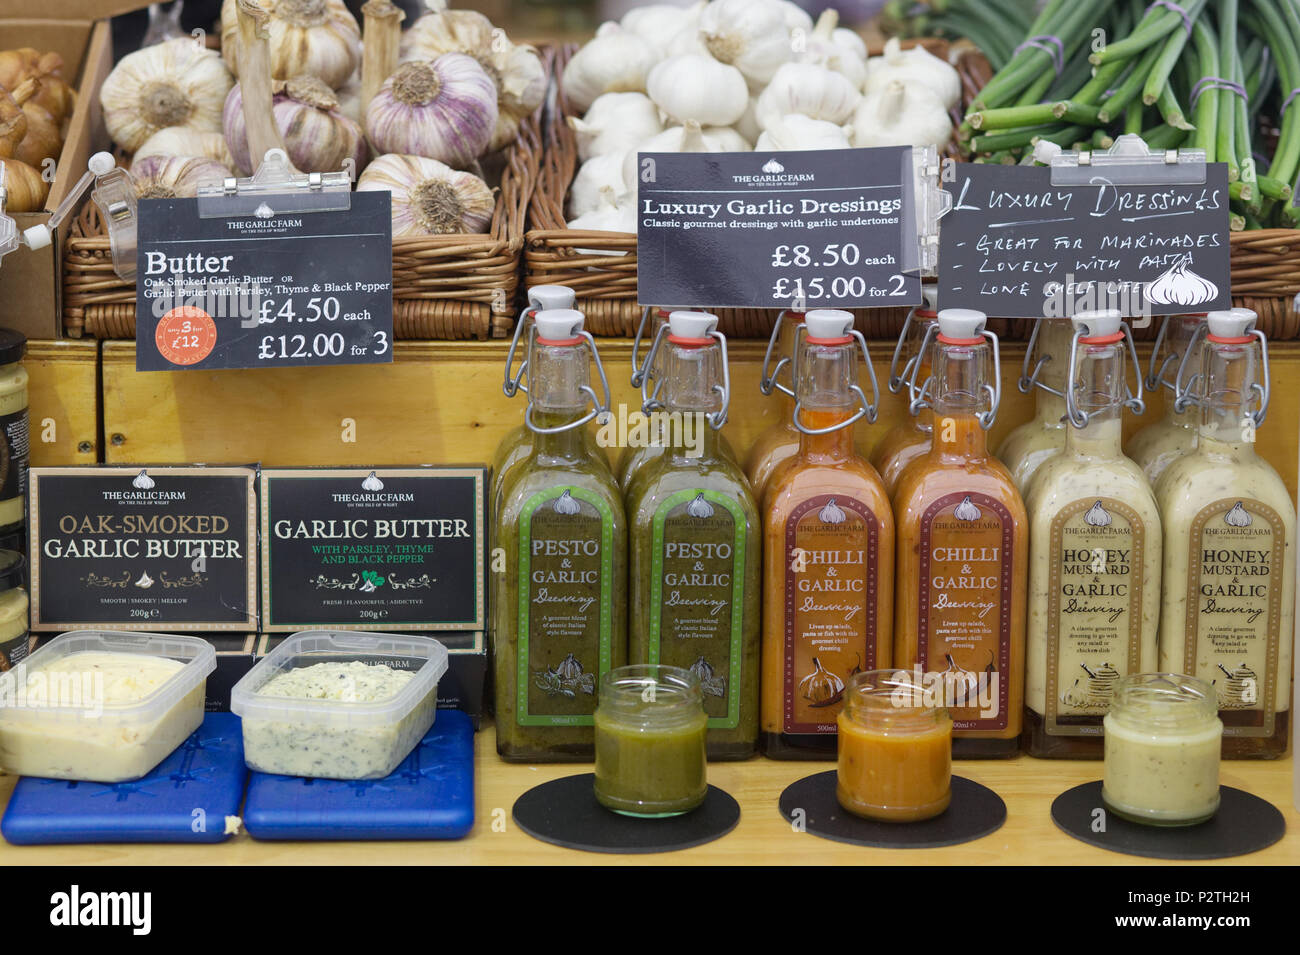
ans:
(837, 49)
(614, 61)
(183, 141)
(801, 132)
(747, 125)
(610, 216)
(318, 37)
(751, 35)
(429, 197)
(914, 67)
(515, 69)
(168, 177)
(796, 17)
(615, 122)
(810, 90)
(699, 88)
(317, 136)
(175, 83)
(900, 115)
(592, 179)
(659, 23)
(690, 138)
(445, 110)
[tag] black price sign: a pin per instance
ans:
(1016, 246)
(288, 289)
(809, 229)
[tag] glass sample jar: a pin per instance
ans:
(14, 607)
(1163, 738)
(13, 429)
(650, 753)
(895, 750)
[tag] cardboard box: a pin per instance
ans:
(462, 687)
(31, 281)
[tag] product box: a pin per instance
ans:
(461, 687)
(236, 654)
(389, 549)
(152, 548)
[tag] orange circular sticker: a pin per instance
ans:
(186, 335)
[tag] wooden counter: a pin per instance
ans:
(763, 837)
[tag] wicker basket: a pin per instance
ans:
(601, 266)
(445, 287)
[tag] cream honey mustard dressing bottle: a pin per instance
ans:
(1177, 351)
(911, 438)
(1229, 562)
(1047, 359)
(1095, 555)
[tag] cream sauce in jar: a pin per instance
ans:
(13, 429)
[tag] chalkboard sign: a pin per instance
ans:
(807, 229)
(281, 290)
(168, 548)
(1016, 246)
(373, 549)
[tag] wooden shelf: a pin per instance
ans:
(1029, 836)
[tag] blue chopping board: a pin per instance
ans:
(429, 796)
(186, 798)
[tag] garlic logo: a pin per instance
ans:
(1238, 516)
(966, 511)
(1097, 516)
(699, 507)
(565, 504)
(143, 481)
(772, 167)
(832, 513)
(1181, 286)
(372, 483)
(264, 211)
(145, 581)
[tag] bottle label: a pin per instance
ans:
(831, 561)
(1094, 611)
(1234, 610)
(13, 455)
(565, 604)
(697, 595)
(964, 620)
(14, 651)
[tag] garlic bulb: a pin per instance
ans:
(609, 216)
(614, 61)
(796, 17)
(901, 115)
(751, 35)
(444, 110)
(169, 177)
(659, 23)
(44, 138)
(593, 178)
(317, 137)
(26, 187)
(429, 197)
(615, 122)
(318, 37)
(811, 90)
(695, 87)
(836, 49)
(171, 84)
(747, 125)
(183, 141)
(690, 138)
(53, 94)
(914, 67)
(800, 132)
(350, 99)
(515, 69)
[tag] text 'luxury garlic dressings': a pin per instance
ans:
(1229, 565)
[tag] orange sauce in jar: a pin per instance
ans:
(895, 755)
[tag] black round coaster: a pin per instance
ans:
(975, 811)
(564, 812)
(1243, 824)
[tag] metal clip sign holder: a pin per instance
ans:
(276, 189)
(1127, 163)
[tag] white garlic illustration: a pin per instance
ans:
(145, 581)
(1237, 517)
(1181, 286)
(143, 481)
(699, 507)
(372, 483)
(1097, 516)
(966, 511)
(831, 513)
(565, 504)
(772, 167)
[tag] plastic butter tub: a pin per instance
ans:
(102, 706)
(339, 705)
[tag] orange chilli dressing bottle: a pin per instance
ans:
(963, 539)
(828, 541)
(910, 438)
